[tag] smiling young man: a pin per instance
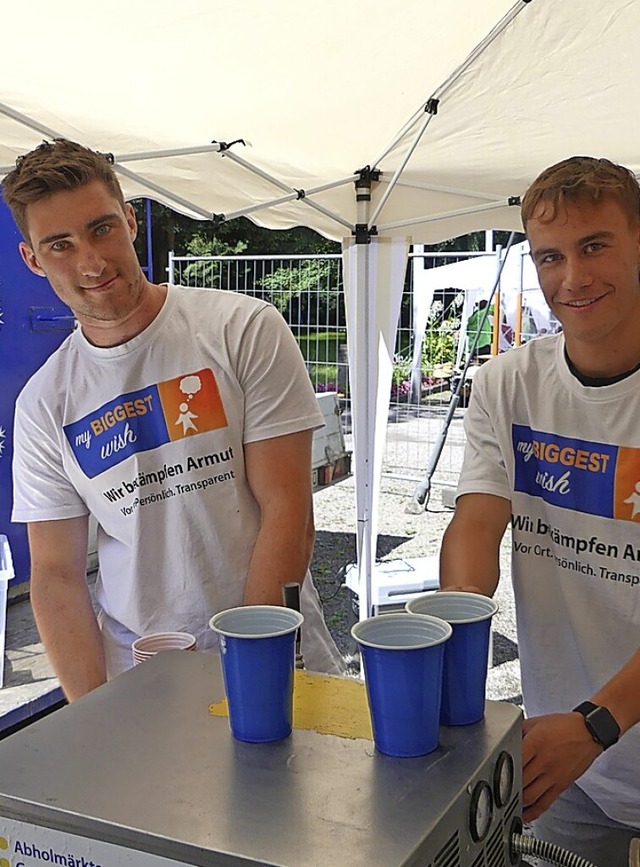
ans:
(181, 419)
(553, 446)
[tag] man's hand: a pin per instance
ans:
(461, 588)
(556, 750)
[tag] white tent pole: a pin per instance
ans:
(431, 108)
(374, 279)
(399, 170)
(481, 47)
(289, 198)
(46, 131)
(282, 186)
(497, 311)
(366, 544)
(172, 152)
(161, 191)
(454, 191)
(27, 121)
(455, 75)
(461, 212)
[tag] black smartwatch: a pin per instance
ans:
(600, 722)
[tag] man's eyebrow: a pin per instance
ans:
(596, 236)
(59, 236)
(542, 251)
(104, 218)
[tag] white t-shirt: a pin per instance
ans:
(567, 456)
(148, 437)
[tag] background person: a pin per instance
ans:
(480, 330)
(182, 419)
(553, 446)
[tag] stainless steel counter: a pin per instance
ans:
(142, 764)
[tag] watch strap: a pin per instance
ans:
(601, 723)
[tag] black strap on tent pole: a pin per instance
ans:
(420, 499)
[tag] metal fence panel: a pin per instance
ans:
(308, 291)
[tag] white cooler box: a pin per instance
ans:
(6, 574)
(393, 583)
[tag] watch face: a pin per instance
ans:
(603, 726)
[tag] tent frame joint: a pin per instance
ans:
(224, 146)
(514, 201)
(432, 105)
(363, 233)
(366, 177)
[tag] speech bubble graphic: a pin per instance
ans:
(190, 385)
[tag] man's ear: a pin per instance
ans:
(29, 259)
(130, 214)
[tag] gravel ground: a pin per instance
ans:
(401, 536)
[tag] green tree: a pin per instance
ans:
(289, 283)
(171, 231)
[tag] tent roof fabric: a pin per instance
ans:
(320, 91)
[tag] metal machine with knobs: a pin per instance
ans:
(139, 772)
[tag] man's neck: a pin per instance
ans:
(108, 334)
(598, 379)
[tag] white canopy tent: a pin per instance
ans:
(454, 110)
(476, 277)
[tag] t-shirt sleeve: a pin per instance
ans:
(279, 397)
(483, 468)
(42, 490)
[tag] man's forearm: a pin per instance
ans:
(621, 695)
(279, 474)
(281, 554)
(71, 636)
(470, 554)
(466, 562)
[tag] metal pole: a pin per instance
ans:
(418, 503)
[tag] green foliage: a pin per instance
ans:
(401, 369)
(287, 283)
(172, 231)
(321, 346)
(199, 246)
(320, 351)
(473, 242)
(439, 344)
(208, 273)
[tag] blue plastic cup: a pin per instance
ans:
(402, 655)
(466, 654)
(257, 649)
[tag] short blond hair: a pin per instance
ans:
(582, 179)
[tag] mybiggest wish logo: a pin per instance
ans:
(146, 419)
(581, 475)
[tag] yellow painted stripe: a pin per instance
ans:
(328, 705)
